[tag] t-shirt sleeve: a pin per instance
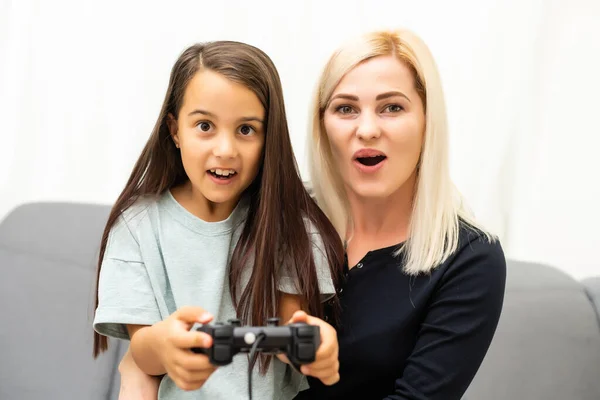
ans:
(287, 282)
(125, 293)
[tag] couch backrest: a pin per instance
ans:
(48, 253)
(547, 345)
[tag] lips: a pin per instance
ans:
(222, 172)
(369, 157)
(222, 175)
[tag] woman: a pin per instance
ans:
(424, 282)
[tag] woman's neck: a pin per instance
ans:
(378, 223)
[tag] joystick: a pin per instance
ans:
(299, 342)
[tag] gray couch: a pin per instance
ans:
(547, 345)
(47, 264)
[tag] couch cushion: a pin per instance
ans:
(47, 260)
(547, 345)
(592, 289)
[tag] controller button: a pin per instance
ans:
(249, 338)
(221, 333)
(305, 331)
(305, 351)
(221, 352)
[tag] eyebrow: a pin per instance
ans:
(209, 114)
(379, 96)
(391, 94)
(343, 96)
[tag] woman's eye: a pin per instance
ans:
(393, 108)
(204, 126)
(344, 109)
(246, 130)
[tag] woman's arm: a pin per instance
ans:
(459, 327)
(135, 383)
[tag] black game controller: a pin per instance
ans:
(298, 341)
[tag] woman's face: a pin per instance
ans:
(375, 124)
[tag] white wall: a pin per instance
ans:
(81, 83)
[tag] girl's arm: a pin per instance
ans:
(326, 365)
(145, 349)
(164, 348)
(288, 305)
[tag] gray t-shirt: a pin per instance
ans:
(160, 257)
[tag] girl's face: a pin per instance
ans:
(375, 123)
(220, 132)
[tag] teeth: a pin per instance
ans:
(223, 172)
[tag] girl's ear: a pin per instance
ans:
(172, 124)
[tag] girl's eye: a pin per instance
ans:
(204, 126)
(393, 108)
(246, 130)
(344, 109)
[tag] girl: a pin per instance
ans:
(424, 282)
(215, 215)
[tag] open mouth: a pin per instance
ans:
(371, 161)
(222, 174)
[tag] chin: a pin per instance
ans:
(220, 198)
(371, 190)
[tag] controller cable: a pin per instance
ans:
(253, 356)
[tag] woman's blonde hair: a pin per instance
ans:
(438, 208)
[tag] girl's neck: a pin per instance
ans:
(195, 203)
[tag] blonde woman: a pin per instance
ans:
(424, 281)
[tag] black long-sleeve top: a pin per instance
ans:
(416, 337)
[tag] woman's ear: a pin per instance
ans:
(172, 124)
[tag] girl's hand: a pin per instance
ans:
(326, 365)
(174, 339)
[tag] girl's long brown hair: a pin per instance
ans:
(275, 233)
